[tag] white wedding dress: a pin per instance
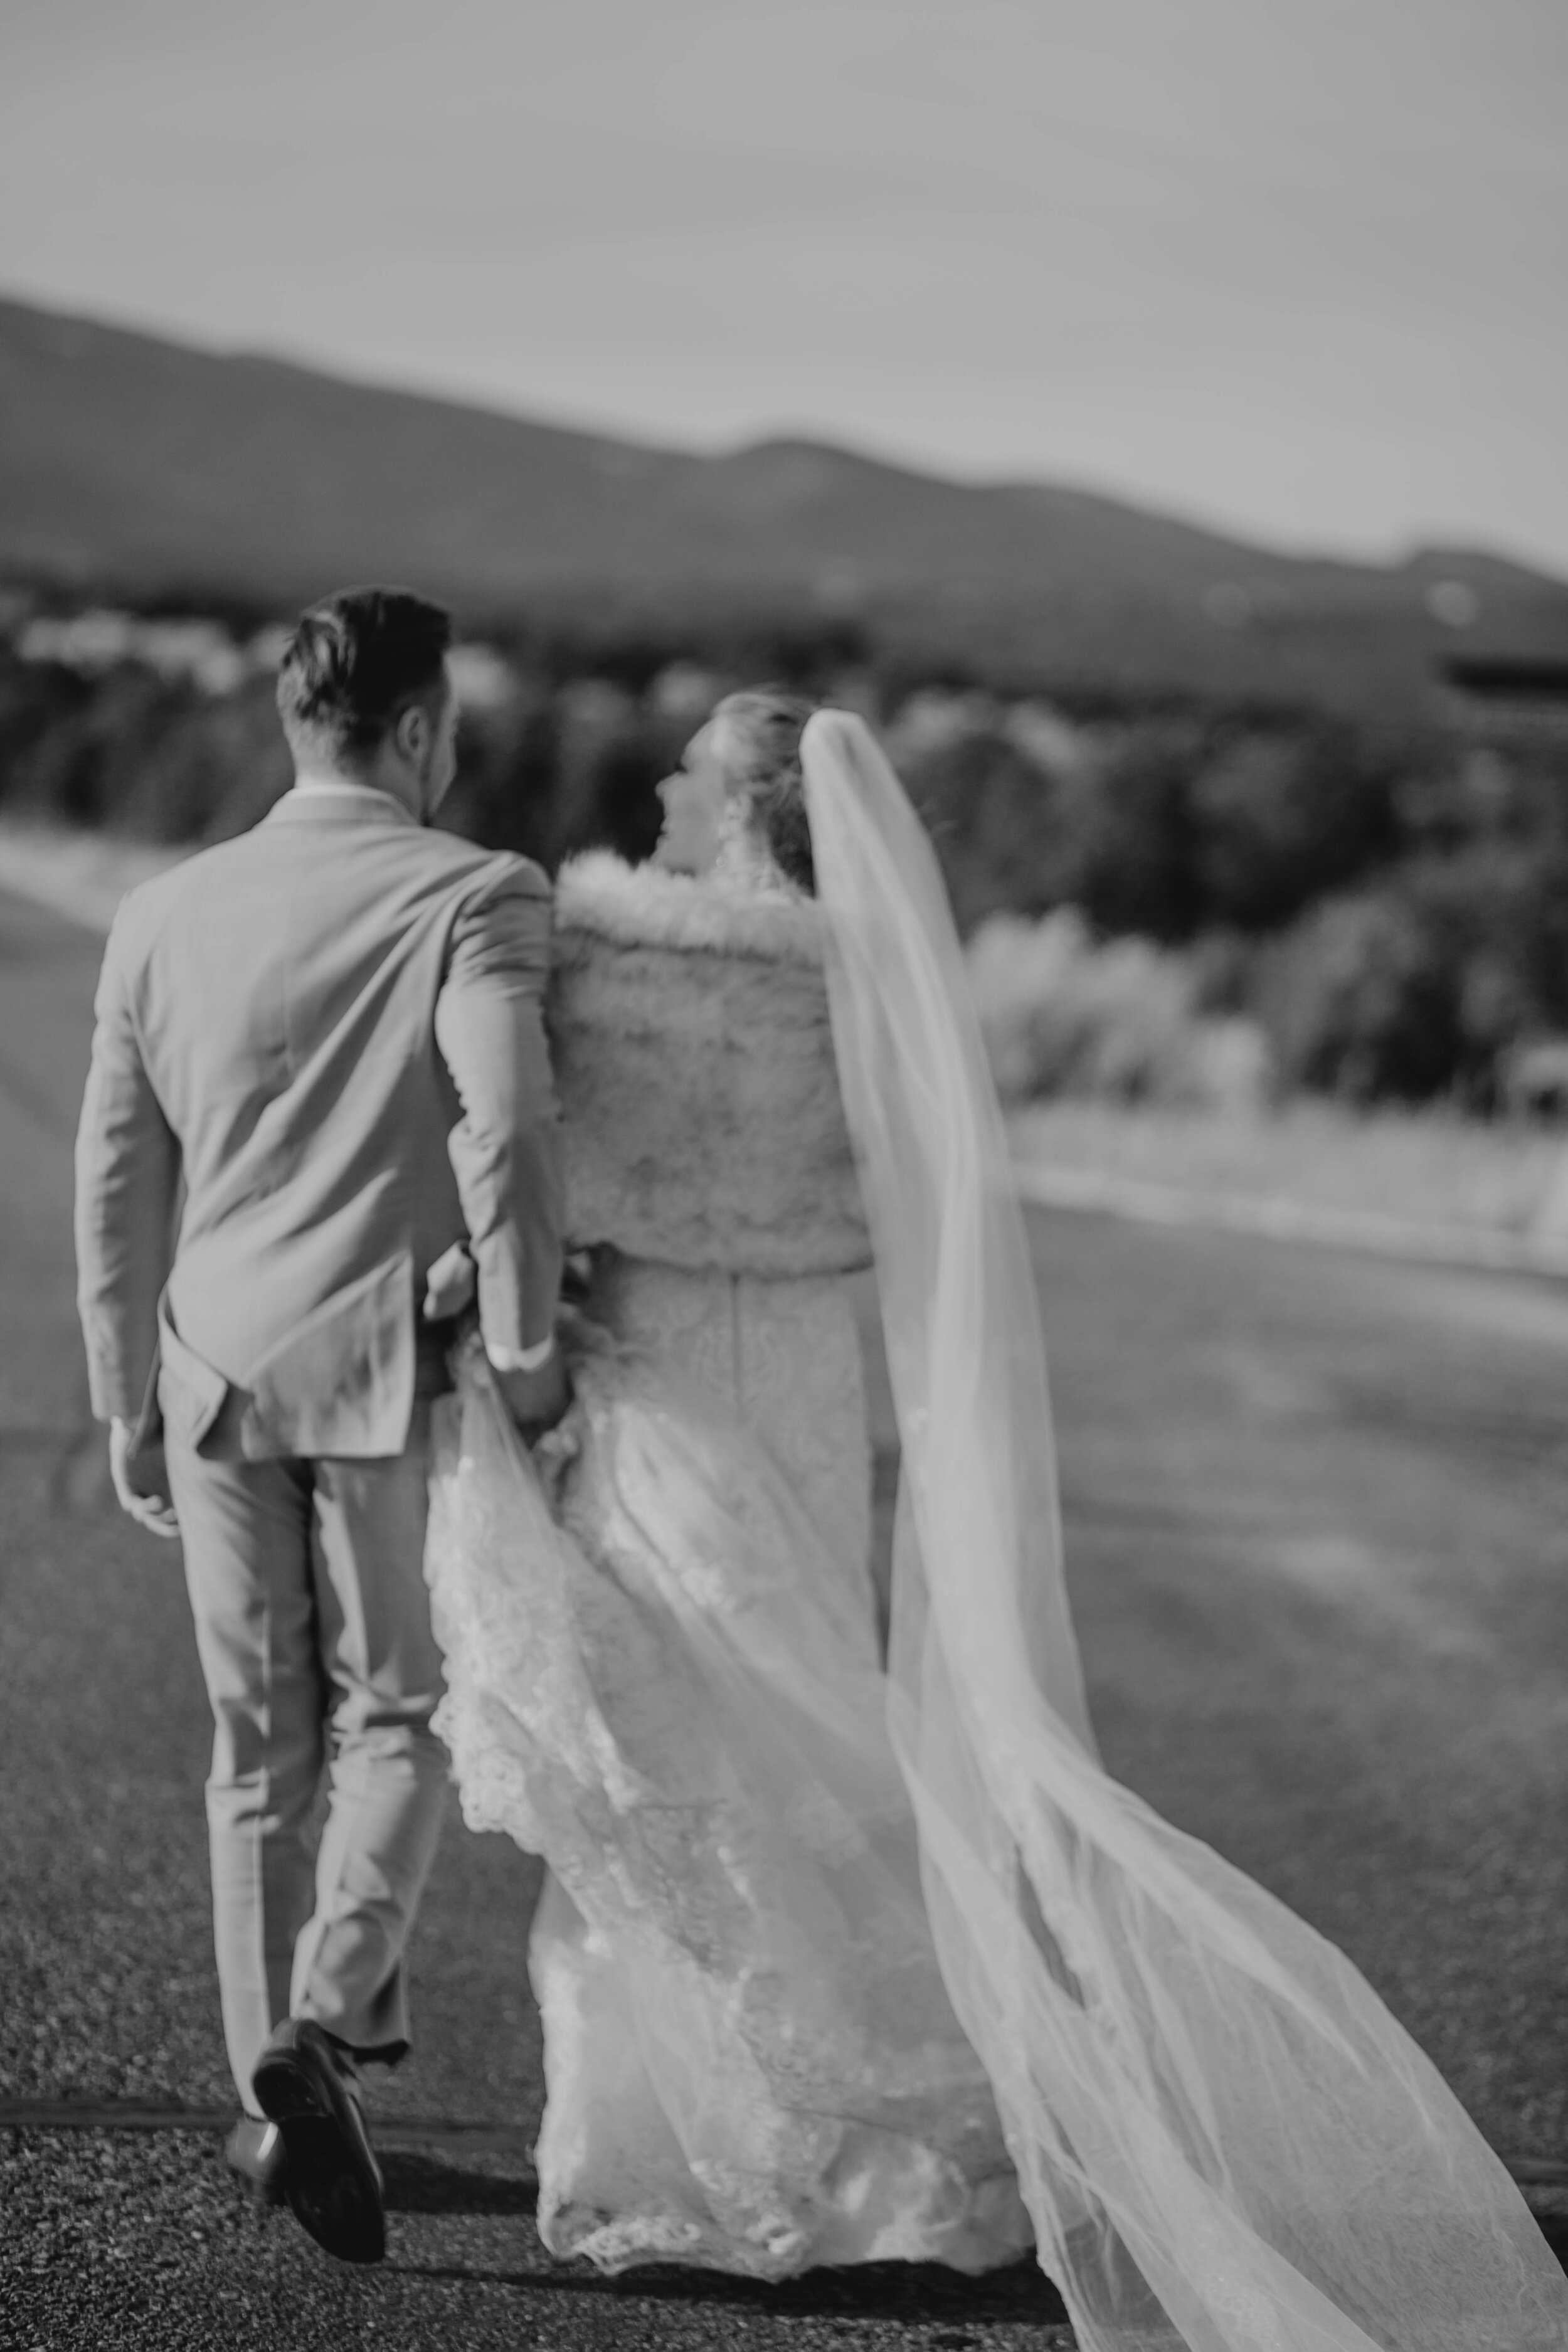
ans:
(836, 1965)
(675, 1697)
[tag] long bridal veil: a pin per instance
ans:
(1224, 2139)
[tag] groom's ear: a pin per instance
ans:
(412, 733)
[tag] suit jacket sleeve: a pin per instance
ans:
(505, 1150)
(127, 1186)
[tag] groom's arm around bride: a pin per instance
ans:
(332, 1030)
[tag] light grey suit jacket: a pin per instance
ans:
(330, 1033)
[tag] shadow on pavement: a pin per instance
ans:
(901, 2291)
(424, 2184)
(418, 2182)
(909, 2292)
(912, 2293)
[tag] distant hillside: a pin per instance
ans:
(133, 464)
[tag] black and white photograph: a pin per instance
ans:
(784, 1176)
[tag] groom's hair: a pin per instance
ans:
(353, 664)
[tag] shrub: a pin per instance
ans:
(1280, 819)
(1119, 1021)
(98, 747)
(219, 765)
(1359, 1002)
(1425, 985)
(1005, 824)
(39, 701)
(504, 795)
(1134, 867)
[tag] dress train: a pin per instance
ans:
(675, 1696)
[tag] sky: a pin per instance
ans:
(1297, 269)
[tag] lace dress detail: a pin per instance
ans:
(783, 1358)
(671, 1691)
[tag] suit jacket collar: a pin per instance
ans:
(339, 804)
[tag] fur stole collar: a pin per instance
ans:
(643, 906)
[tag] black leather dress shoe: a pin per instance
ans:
(330, 2177)
(254, 2149)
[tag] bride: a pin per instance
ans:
(837, 1963)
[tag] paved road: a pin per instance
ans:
(1318, 1518)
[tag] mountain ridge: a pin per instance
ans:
(127, 458)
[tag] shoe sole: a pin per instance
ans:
(330, 2180)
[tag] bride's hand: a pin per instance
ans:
(553, 1456)
(450, 1284)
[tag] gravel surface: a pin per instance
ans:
(140, 2240)
(1318, 1522)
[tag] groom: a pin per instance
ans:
(328, 1032)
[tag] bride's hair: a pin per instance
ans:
(757, 739)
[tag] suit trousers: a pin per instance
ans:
(312, 1623)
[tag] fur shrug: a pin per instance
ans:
(698, 1092)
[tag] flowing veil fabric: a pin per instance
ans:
(1224, 2139)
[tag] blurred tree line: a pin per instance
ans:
(1388, 903)
(1391, 904)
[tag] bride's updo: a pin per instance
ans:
(756, 741)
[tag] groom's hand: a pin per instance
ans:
(141, 1482)
(537, 1400)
